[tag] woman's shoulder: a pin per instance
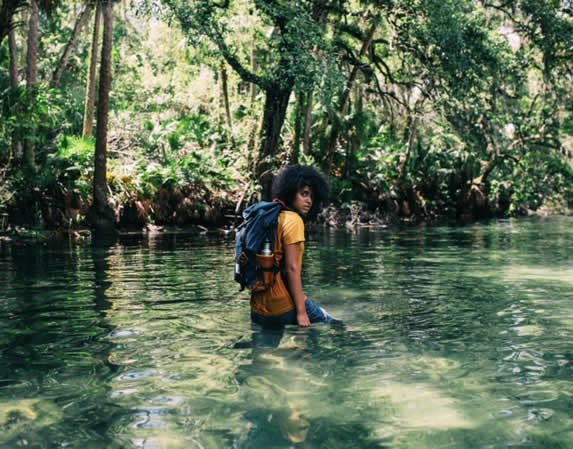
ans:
(289, 219)
(290, 216)
(291, 226)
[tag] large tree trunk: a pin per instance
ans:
(276, 104)
(31, 81)
(80, 23)
(87, 130)
(101, 213)
(17, 151)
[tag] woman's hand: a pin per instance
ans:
(302, 319)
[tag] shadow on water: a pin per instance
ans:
(287, 405)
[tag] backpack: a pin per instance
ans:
(260, 225)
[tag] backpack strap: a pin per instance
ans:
(281, 202)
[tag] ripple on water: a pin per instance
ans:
(150, 418)
(503, 413)
(172, 400)
(123, 392)
(537, 397)
(540, 414)
(124, 333)
(136, 375)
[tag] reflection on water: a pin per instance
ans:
(456, 337)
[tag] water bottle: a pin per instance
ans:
(265, 267)
(267, 251)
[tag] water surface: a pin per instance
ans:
(456, 337)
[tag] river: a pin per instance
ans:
(455, 337)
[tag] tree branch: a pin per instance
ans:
(245, 74)
(7, 11)
(64, 58)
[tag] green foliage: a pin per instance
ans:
(342, 190)
(182, 151)
(191, 170)
(10, 188)
(71, 165)
(36, 117)
(451, 96)
(375, 164)
(533, 179)
(7, 194)
(296, 31)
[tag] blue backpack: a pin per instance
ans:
(260, 225)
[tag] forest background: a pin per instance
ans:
(121, 114)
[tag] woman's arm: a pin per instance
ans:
(292, 271)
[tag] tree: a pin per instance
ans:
(89, 103)
(297, 28)
(101, 212)
(307, 123)
(225, 101)
(14, 83)
(31, 82)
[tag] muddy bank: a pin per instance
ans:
(61, 214)
(351, 217)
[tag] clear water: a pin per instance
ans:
(456, 337)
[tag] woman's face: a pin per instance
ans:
(303, 200)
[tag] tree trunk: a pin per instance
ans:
(17, 151)
(101, 214)
(276, 104)
(253, 70)
(412, 122)
(346, 96)
(31, 81)
(298, 119)
(354, 73)
(254, 126)
(307, 124)
(354, 139)
(89, 103)
(13, 60)
(411, 130)
(32, 53)
(80, 23)
(225, 97)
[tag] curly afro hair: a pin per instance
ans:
(290, 179)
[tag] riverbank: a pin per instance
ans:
(351, 216)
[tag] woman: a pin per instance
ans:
(304, 191)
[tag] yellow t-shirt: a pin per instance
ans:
(277, 300)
